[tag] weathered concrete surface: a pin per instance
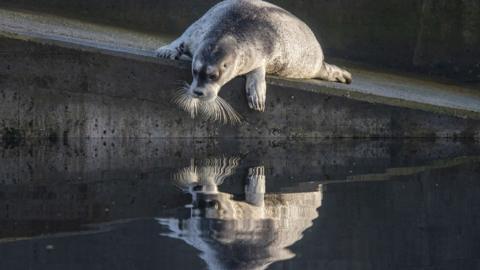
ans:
(440, 37)
(48, 91)
(62, 78)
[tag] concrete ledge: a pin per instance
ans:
(73, 79)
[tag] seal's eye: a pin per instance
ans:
(225, 65)
(213, 77)
(213, 204)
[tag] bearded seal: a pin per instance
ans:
(246, 37)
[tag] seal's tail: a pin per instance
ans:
(333, 73)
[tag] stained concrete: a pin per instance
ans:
(66, 78)
(439, 37)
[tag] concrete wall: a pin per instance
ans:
(53, 92)
(438, 37)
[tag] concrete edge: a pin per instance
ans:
(315, 86)
(340, 91)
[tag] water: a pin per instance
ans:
(250, 204)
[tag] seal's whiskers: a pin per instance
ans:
(230, 112)
(215, 110)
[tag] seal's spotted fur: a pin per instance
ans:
(252, 38)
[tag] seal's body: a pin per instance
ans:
(252, 38)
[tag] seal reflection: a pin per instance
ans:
(250, 233)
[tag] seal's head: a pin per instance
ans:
(212, 67)
(214, 64)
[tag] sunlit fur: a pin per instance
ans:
(215, 110)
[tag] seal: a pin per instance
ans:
(251, 38)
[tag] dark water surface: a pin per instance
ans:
(249, 204)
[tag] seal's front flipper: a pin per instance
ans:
(333, 73)
(175, 51)
(256, 89)
(255, 188)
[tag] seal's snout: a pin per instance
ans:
(203, 93)
(198, 93)
(205, 100)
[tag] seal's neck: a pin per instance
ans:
(249, 57)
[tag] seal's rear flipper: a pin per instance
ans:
(333, 73)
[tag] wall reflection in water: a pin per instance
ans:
(382, 204)
(250, 231)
